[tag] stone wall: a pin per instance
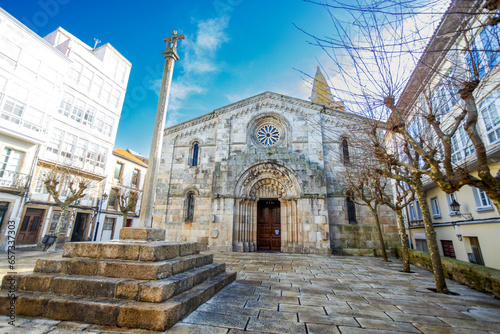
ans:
(478, 277)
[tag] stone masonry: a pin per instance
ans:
(222, 161)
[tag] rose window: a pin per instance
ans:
(268, 135)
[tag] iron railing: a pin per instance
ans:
(15, 180)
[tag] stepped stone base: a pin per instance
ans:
(138, 282)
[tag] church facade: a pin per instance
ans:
(260, 174)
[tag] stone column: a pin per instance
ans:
(151, 180)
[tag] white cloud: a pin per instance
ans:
(201, 50)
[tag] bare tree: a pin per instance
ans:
(127, 202)
(373, 59)
(362, 184)
(65, 188)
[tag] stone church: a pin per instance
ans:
(260, 174)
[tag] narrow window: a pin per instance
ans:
(351, 209)
(345, 151)
(195, 154)
(135, 178)
(190, 207)
(118, 171)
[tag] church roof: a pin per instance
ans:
(124, 154)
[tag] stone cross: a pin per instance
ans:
(151, 180)
(172, 41)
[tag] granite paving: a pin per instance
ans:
(310, 294)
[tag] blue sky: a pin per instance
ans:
(233, 49)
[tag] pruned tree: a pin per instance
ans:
(65, 187)
(373, 57)
(403, 196)
(127, 202)
(362, 184)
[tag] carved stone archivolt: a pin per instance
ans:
(288, 183)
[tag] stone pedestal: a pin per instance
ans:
(140, 281)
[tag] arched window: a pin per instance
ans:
(196, 151)
(190, 207)
(345, 151)
(351, 209)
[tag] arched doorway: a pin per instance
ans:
(266, 212)
(268, 225)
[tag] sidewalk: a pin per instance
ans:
(299, 294)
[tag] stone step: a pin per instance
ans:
(135, 251)
(155, 291)
(122, 269)
(114, 312)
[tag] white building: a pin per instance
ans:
(125, 177)
(60, 104)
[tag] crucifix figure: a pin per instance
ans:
(172, 41)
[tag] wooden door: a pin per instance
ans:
(268, 225)
(79, 228)
(448, 249)
(30, 226)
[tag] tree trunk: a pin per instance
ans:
(380, 236)
(437, 267)
(404, 241)
(124, 215)
(59, 226)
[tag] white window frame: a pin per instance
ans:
(461, 145)
(483, 202)
(436, 211)
(489, 112)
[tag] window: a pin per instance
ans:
(136, 177)
(108, 126)
(78, 109)
(115, 98)
(53, 222)
(68, 146)
(483, 202)
(351, 209)
(109, 224)
(33, 119)
(81, 148)
(113, 198)
(461, 145)
(86, 80)
(345, 151)
(66, 104)
(118, 171)
(476, 256)
(101, 157)
(445, 96)
(483, 51)
(489, 112)
(55, 141)
(436, 212)
(415, 211)
(40, 185)
(190, 207)
(106, 92)
(10, 162)
(422, 245)
(92, 153)
(95, 89)
(99, 122)
(88, 117)
(196, 149)
(75, 71)
(13, 110)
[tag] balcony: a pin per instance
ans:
(13, 182)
